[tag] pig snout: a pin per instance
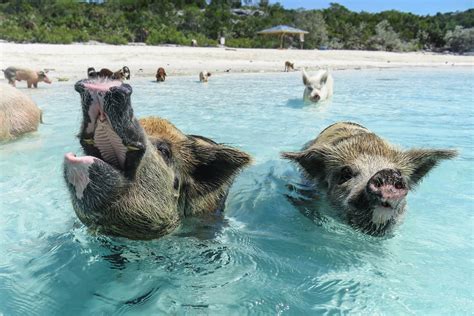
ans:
(316, 97)
(387, 184)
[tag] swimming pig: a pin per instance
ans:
(365, 177)
(204, 76)
(18, 113)
(140, 179)
(91, 73)
(160, 74)
(120, 74)
(32, 77)
(319, 86)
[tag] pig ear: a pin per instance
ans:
(421, 161)
(216, 165)
(305, 78)
(324, 77)
(312, 161)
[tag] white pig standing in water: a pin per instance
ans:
(319, 86)
(366, 178)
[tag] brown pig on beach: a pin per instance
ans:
(32, 77)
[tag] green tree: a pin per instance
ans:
(460, 40)
(313, 22)
(385, 38)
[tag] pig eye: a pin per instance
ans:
(310, 88)
(176, 183)
(164, 150)
(345, 175)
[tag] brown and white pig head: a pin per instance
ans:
(205, 170)
(136, 185)
(367, 179)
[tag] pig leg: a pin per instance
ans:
(29, 84)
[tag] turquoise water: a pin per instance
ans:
(266, 256)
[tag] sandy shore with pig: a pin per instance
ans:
(72, 61)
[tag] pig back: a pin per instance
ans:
(26, 74)
(18, 113)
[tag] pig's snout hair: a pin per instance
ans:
(387, 184)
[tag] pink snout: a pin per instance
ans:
(387, 184)
(46, 80)
(316, 97)
(102, 86)
(388, 192)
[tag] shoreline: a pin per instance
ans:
(71, 61)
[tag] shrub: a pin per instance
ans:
(114, 39)
(201, 40)
(460, 40)
(54, 35)
(167, 35)
(240, 42)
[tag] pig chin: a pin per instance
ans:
(374, 217)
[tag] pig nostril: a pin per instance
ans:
(176, 183)
(398, 185)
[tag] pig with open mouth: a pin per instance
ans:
(140, 182)
(365, 178)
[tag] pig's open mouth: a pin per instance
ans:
(104, 137)
(100, 134)
(110, 145)
(386, 205)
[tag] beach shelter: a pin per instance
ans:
(282, 30)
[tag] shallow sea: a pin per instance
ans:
(266, 256)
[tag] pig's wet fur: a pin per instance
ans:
(365, 178)
(147, 176)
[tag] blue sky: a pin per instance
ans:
(421, 7)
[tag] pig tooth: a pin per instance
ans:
(89, 141)
(132, 148)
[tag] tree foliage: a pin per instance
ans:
(460, 39)
(179, 21)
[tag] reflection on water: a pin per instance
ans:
(275, 249)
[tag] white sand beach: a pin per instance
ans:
(71, 61)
